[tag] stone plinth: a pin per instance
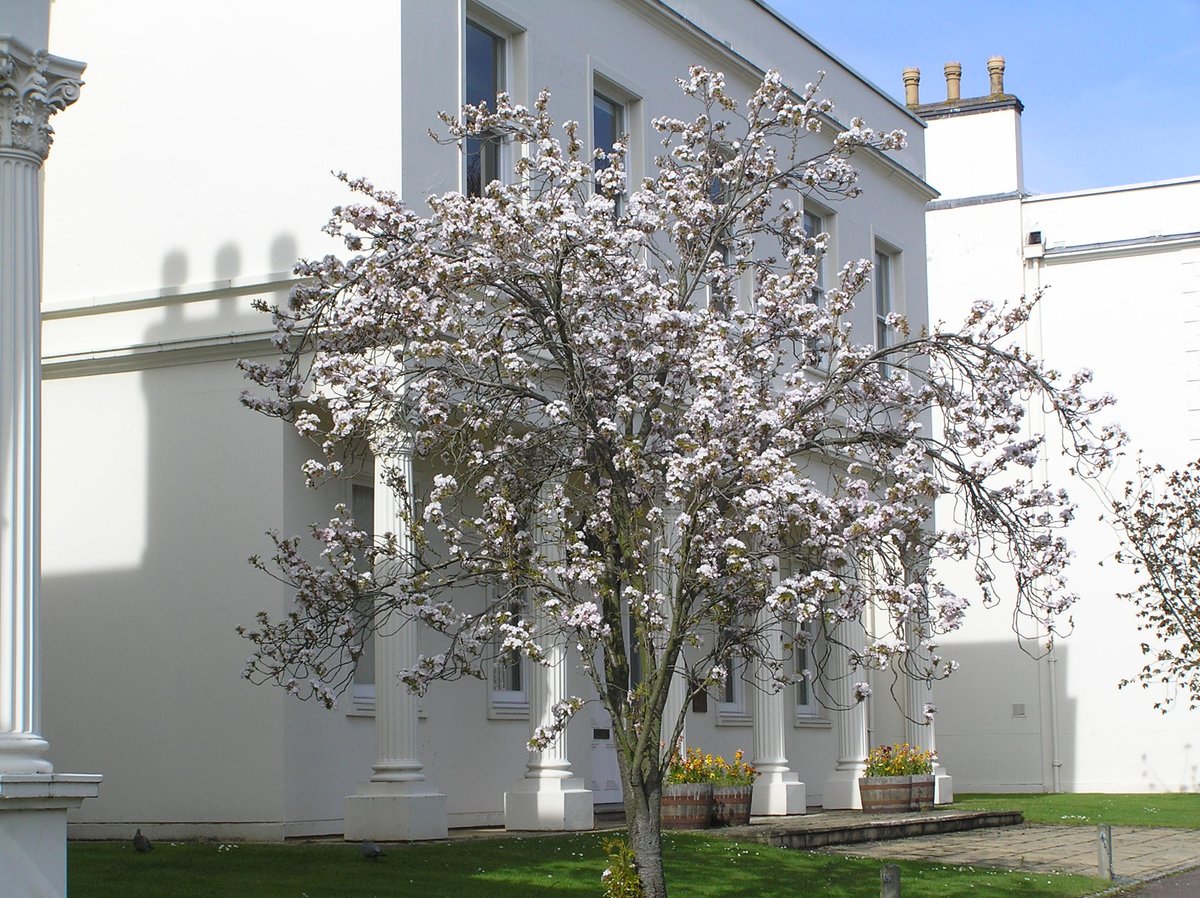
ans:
(395, 812)
(549, 804)
(33, 830)
(778, 797)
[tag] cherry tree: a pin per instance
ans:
(1158, 520)
(655, 440)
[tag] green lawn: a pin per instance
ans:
(1176, 809)
(569, 865)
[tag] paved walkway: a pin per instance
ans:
(1138, 853)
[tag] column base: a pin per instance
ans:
(841, 791)
(395, 812)
(943, 788)
(33, 830)
(781, 797)
(549, 805)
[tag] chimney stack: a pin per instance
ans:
(912, 87)
(953, 81)
(995, 66)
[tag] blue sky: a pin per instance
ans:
(1111, 89)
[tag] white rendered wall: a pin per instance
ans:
(1126, 309)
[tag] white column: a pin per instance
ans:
(551, 796)
(777, 790)
(398, 802)
(666, 582)
(918, 732)
(841, 789)
(33, 799)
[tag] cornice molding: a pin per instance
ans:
(33, 86)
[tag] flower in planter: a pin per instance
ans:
(691, 768)
(898, 760)
(733, 773)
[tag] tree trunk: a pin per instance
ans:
(643, 808)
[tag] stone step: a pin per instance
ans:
(820, 828)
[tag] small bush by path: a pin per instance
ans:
(568, 865)
(1179, 810)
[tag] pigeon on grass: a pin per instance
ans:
(371, 851)
(141, 843)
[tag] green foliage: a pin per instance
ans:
(620, 877)
(899, 760)
(1180, 810)
(567, 866)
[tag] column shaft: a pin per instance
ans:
(841, 789)
(398, 802)
(778, 790)
(920, 732)
(550, 797)
(21, 748)
(396, 713)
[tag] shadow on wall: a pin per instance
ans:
(996, 729)
(142, 664)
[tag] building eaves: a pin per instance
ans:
(1128, 246)
(669, 14)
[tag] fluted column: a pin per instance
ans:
(665, 583)
(778, 790)
(396, 713)
(550, 797)
(398, 802)
(841, 789)
(919, 725)
(33, 799)
(33, 86)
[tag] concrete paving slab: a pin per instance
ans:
(1139, 853)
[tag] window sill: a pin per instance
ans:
(362, 703)
(807, 722)
(734, 717)
(514, 711)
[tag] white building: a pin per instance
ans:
(1121, 271)
(186, 183)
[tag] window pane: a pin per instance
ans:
(484, 79)
(483, 66)
(814, 225)
(883, 286)
(606, 126)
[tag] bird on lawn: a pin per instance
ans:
(141, 843)
(371, 851)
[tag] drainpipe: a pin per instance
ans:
(1055, 761)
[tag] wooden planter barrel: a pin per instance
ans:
(687, 806)
(922, 793)
(731, 805)
(885, 794)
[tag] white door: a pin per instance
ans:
(605, 782)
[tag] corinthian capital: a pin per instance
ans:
(33, 86)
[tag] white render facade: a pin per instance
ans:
(185, 187)
(1120, 267)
